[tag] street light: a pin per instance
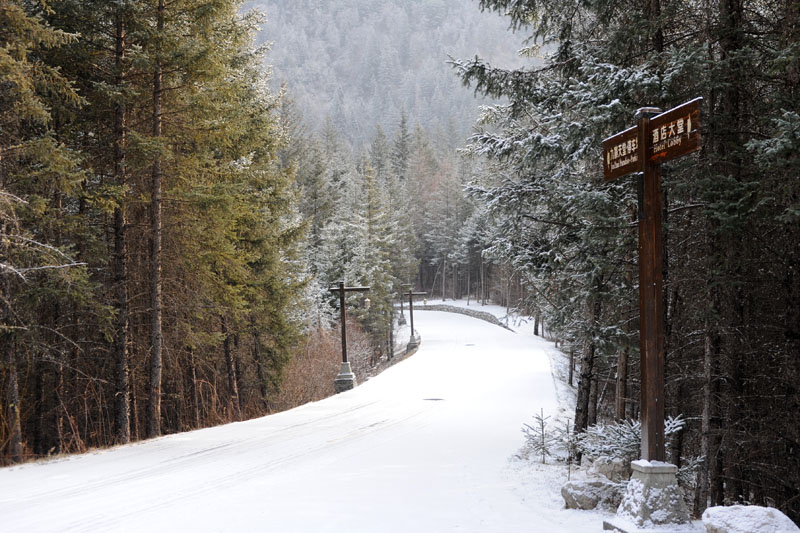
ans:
(413, 342)
(346, 380)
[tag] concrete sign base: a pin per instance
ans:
(346, 380)
(652, 501)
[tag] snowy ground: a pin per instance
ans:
(426, 446)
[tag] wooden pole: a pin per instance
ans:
(411, 311)
(411, 295)
(656, 138)
(343, 315)
(651, 310)
(342, 312)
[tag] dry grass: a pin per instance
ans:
(309, 376)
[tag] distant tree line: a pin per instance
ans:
(731, 232)
(395, 217)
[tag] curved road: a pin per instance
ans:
(425, 446)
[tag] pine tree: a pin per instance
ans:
(229, 230)
(401, 149)
(380, 155)
(35, 171)
(570, 233)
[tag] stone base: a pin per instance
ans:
(413, 343)
(346, 380)
(652, 501)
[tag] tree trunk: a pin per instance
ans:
(455, 282)
(12, 399)
(658, 32)
(622, 383)
(587, 374)
(240, 386)
(584, 388)
(57, 392)
(571, 364)
(594, 393)
(136, 425)
(444, 277)
(509, 278)
(230, 364)
(262, 378)
(40, 406)
(156, 341)
(195, 391)
(14, 444)
(469, 288)
(390, 340)
(122, 398)
(483, 283)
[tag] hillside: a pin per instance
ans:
(361, 62)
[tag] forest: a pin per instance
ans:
(171, 227)
(731, 225)
(172, 219)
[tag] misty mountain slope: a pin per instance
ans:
(361, 62)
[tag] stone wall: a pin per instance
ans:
(481, 315)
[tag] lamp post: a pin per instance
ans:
(413, 342)
(345, 380)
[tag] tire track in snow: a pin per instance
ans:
(178, 462)
(248, 471)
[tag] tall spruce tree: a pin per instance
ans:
(229, 228)
(571, 233)
(37, 269)
(401, 149)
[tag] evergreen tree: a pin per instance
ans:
(318, 197)
(379, 155)
(570, 233)
(229, 225)
(36, 171)
(401, 149)
(375, 250)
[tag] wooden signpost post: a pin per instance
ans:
(656, 138)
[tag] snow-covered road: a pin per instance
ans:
(423, 447)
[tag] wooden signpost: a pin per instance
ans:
(656, 138)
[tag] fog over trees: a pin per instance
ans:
(361, 63)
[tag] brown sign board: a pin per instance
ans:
(621, 154)
(642, 148)
(675, 132)
(671, 134)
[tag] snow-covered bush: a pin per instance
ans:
(620, 440)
